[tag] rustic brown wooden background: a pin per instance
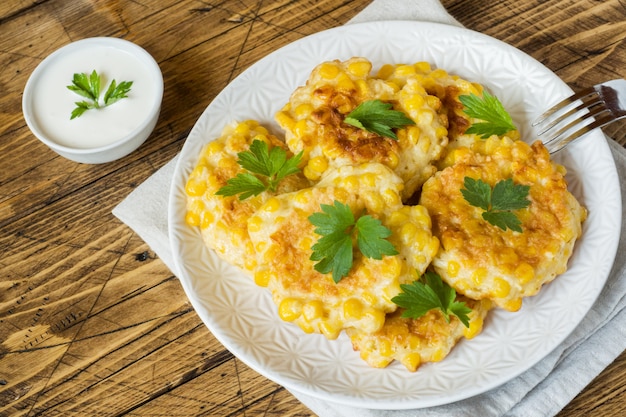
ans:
(91, 321)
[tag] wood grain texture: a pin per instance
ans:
(91, 321)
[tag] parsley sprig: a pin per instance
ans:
(337, 226)
(266, 169)
(430, 292)
(378, 117)
(496, 120)
(88, 86)
(498, 202)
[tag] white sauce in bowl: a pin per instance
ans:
(52, 102)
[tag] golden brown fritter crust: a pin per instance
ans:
(283, 236)
(413, 342)
(479, 259)
(313, 121)
(223, 220)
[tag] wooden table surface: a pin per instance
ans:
(92, 323)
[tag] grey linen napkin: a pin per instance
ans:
(544, 389)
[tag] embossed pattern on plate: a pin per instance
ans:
(243, 317)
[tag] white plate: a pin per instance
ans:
(243, 317)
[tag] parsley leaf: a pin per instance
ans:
(496, 120)
(266, 168)
(88, 86)
(378, 117)
(499, 202)
(337, 226)
(430, 292)
(244, 184)
(116, 92)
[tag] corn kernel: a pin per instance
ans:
(271, 254)
(385, 71)
(451, 242)
(475, 326)
(412, 361)
(350, 182)
(439, 73)
(306, 327)
(271, 205)
(393, 266)
(404, 70)
(305, 243)
(249, 263)
(415, 102)
(393, 86)
(195, 188)
(393, 160)
(390, 197)
(213, 182)
(345, 83)
(374, 202)
(206, 219)
(377, 318)
(353, 309)
(438, 355)
(362, 87)
(328, 70)
(318, 289)
(192, 219)
(318, 163)
(422, 66)
(312, 310)
(228, 164)
(290, 309)
(311, 174)
(304, 110)
(342, 194)
(242, 129)
(262, 278)
(501, 288)
(260, 246)
(303, 196)
(441, 132)
(397, 218)
(453, 268)
(408, 232)
(254, 224)
(360, 68)
(284, 120)
(300, 127)
(513, 305)
(478, 276)
(330, 330)
(212, 148)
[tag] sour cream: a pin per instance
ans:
(53, 102)
(98, 135)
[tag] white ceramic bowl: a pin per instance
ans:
(99, 135)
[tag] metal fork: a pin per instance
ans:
(581, 113)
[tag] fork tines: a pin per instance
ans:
(572, 118)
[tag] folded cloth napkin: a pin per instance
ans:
(544, 389)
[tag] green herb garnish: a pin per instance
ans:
(430, 292)
(496, 120)
(378, 117)
(88, 86)
(498, 202)
(337, 226)
(265, 170)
